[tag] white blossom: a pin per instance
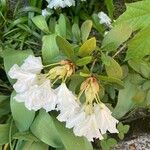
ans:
(104, 19)
(32, 64)
(105, 119)
(60, 3)
(38, 96)
(88, 128)
(45, 13)
(67, 103)
(24, 79)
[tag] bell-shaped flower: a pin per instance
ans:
(104, 19)
(39, 96)
(88, 128)
(32, 64)
(67, 102)
(106, 122)
(76, 118)
(24, 79)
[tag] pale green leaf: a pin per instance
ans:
(41, 23)
(125, 102)
(83, 61)
(44, 128)
(50, 49)
(116, 36)
(113, 69)
(139, 46)
(137, 15)
(86, 29)
(22, 116)
(88, 47)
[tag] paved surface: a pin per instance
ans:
(141, 142)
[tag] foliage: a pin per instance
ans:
(120, 60)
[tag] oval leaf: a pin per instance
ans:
(86, 29)
(88, 47)
(83, 61)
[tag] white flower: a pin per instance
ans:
(88, 128)
(60, 3)
(45, 13)
(32, 64)
(77, 117)
(38, 96)
(67, 103)
(104, 19)
(24, 79)
(65, 97)
(105, 119)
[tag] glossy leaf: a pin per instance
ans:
(88, 47)
(83, 61)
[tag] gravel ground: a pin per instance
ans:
(141, 142)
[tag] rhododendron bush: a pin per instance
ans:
(72, 73)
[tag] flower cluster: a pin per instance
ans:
(91, 119)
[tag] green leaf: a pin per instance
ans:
(138, 47)
(136, 15)
(65, 46)
(52, 132)
(12, 57)
(88, 47)
(41, 23)
(108, 143)
(76, 32)
(22, 116)
(34, 146)
(26, 136)
(50, 49)
(86, 29)
(60, 28)
(115, 37)
(4, 133)
(83, 61)
(123, 129)
(110, 7)
(117, 83)
(125, 102)
(113, 69)
(44, 128)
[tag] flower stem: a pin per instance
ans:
(51, 65)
